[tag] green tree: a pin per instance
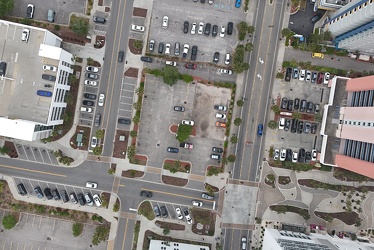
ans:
(9, 221)
(100, 134)
(240, 103)
(214, 171)
(138, 44)
(272, 124)
(286, 32)
(79, 25)
(166, 231)
(231, 158)
(249, 47)
(234, 139)
(133, 133)
(327, 36)
(101, 234)
(6, 7)
(237, 121)
(184, 132)
(4, 150)
(250, 29)
(275, 109)
(97, 150)
(243, 28)
(170, 75)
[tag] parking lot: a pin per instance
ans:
(40, 232)
(218, 14)
(158, 115)
(36, 154)
(126, 100)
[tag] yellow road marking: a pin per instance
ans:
(32, 170)
(179, 195)
(124, 234)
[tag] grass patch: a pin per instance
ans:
(136, 235)
(146, 210)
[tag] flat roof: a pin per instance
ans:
(23, 78)
(170, 245)
(19, 129)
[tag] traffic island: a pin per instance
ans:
(204, 221)
(146, 210)
(131, 72)
(170, 226)
(175, 181)
(120, 144)
(10, 149)
(132, 173)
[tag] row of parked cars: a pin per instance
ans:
(293, 156)
(307, 75)
(57, 195)
(208, 29)
(295, 125)
(299, 105)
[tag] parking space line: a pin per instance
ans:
(24, 150)
(40, 221)
(33, 220)
(41, 155)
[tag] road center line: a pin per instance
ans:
(32, 170)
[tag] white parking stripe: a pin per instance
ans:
(41, 155)
(24, 150)
(32, 151)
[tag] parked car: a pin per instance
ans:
(314, 77)
(30, 11)
(161, 48)
(201, 28)
(308, 156)
(260, 129)
(294, 157)
(167, 49)
(88, 198)
(188, 122)
(187, 216)
(149, 59)
(215, 157)
(221, 124)
(193, 53)
(288, 154)
(290, 105)
(301, 155)
(208, 26)
(316, 108)
(25, 35)
(186, 25)
(320, 77)
(307, 127)
(220, 116)
(92, 76)
(295, 74)
(165, 22)
(177, 49)
(296, 104)
(222, 32)
(48, 77)
(302, 75)
(276, 154)
(281, 123)
(186, 47)
(178, 213)
(164, 212)
(288, 74)
(308, 76)
(310, 107)
(121, 54)
(98, 19)
(97, 200)
(300, 127)
(124, 121)
(217, 150)
(327, 78)
(230, 28)
(186, 145)
(216, 57)
(38, 192)
(156, 210)
(314, 155)
(193, 28)
(225, 71)
(48, 194)
(44, 93)
(227, 58)
(172, 150)
(88, 82)
(89, 96)
(81, 199)
(92, 69)
(294, 123)
(316, 17)
(220, 107)
(73, 198)
(313, 129)
(287, 125)
(303, 105)
(238, 3)
(214, 30)
(284, 103)
(151, 45)
(179, 108)
(88, 103)
(135, 27)
(191, 66)
(56, 195)
(64, 196)
(282, 156)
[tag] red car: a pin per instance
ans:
(191, 66)
(320, 77)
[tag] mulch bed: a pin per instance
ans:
(12, 149)
(205, 217)
(120, 147)
(105, 196)
(215, 189)
(141, 160)
(185, 166)
(132, 72)
(347, 218)
(139, 12)
(345, 175)
(174, 129)
(171, 226)
(100, 3)
(284, 180)
(310, 183)
(132, 173)
(175, 181)
(94, 63)
(85, 140)
(221, 168)
(133, 49)
(100, 42)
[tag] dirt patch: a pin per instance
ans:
(120, 147)
(347, 218)
(139, 12)
(132, 72)
(185, 167)
(100, 3)
(345, 175)
(171, 226)
(133, 49)
(174, 129)
(12, 153)
(132, 173)
(100, 42)
(141, 160)
(85, 131)
(284, 180)
(340, 188)
(205, 218)
(175, 181)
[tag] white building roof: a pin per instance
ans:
(19, 129)
(169, 245)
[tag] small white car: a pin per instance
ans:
(25, 35)
(276, 154)
(220, 116)
(101, 100)
(165, 22)
(197, 203)
(227, 58)
(223, 31)
(302, 75)
(225, 71)
(294, 156)
(314, 155)
(178, 213)
(93, 142)
(282, 156)
(327, 78)
(193, 29)
(92, 69)
(281, 122)
(201, 28)
(308, 76)
(167, 49)
(51, 68)
(187, 216)
(188, 122)
(137, 27)
(210, 1)
(91, 184)
(97, 200)
(171, 63)
(88, 82)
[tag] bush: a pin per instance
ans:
(166, 231)
(101, 234)
(272, 124)
(9, 221)
(240, 103)
(100, 134)
(186, 78)
(97, 150)
(138, 44)
(214, 171)
(184, 132)
(234, 139)
(231, 158)
(275, 109)
(79, 25)
(249, 47)
(237, 121)
(57, 27)
(133, 133)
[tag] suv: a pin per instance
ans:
(64, 196)
(177, 49)
(288, 74)
(215, 157)
(88, 198)
(207, 29)
(207, 196)
(48, 194)
(21, 189)
(81, 200)
(89, 96)
(38, 192)
(146, 59)
(230, 27)
(51, 16)
(98, 19)
(97, 120)
(194, 53)
(56, 195)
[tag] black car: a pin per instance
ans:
(202, 1)
(48, 77)
(193, 53)
(303, 105)
(288, 155)
(146, 59)
(296, 104)
(301, 155)
(300, 126)
(308, 156)
(284, 103)
(147, 194)
(121, 54)
(164, 211)
(56, 195)
(316, 17)
(287, 125)
(38, 192)
(64, 196)
(81, 199)
(92, 76)
(207, 29)
(316, 108)
(216, 57)
(289, 105)
(215, 30)
(186, 24)
(217, 150)
(313, 129)
(288, 75)
(314, 77)
(310, 107)
(88, 103)
(172, 150)
(230, 28)
(179, 108)
(48, 194)
(294, 123)
(90, 96)
(124, 121)
(161, 48)
(307, 127)
(21, 189)
(156, 210)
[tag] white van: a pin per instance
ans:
(84, 109)
(171, 63)
(244, 243)
(282, 121)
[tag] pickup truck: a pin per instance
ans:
(186, 145)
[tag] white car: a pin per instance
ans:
(165, 22)
(220, 116)
(137, 27)
(51, 68)
(167, 49)
(91, 184)
(193, 29)
(294, 156)
(276, 154)
(187, 216)
(171, 63)
(227, 58)
(97, 200)
(314, 155)
(88, 82)
(282, 156)
(101, 100)
(302, 75)
(223, 31)
(201, 28)
(225, 71)
(210, 1)
(178, 212)
(282, 121)
(92, 69)
(197, 203)
(93, 142)
(25, 35)
(327, 78)
(188, 122)
(186, 47)
(308, 76)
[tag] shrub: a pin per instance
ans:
(138, 44)
(101, 234)
(275, 109)
(237, 121)
(9, 221)
(272, 124)
(77, 229)
(240, 103)
(133, 133)
(214, 171)
(234, 139)
(231, 158)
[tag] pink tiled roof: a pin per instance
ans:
(355, 165)
(360, 84)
